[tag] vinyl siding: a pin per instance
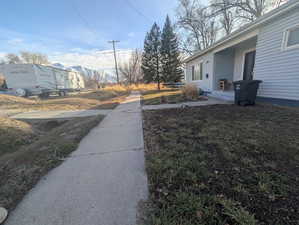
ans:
(277, 68)
(208, 61)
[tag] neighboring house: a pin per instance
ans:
(267, 50)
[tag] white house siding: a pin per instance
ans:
(277, 68)
(207, 82)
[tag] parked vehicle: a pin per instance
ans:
(31, 79)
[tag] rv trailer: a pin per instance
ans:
(31, 79)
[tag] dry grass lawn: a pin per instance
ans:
(29, 149)
(224, 165)
(166, 96)
(102, 99)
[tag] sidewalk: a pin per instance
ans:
(101, 183)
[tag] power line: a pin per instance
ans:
(138, 11)
(85, 22)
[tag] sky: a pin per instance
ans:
(75, 32)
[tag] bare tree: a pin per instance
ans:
(95, 80)
(34, 58)
(250, 10)
(197, 23)
(226, 14)
(131, 71)
(12, 59)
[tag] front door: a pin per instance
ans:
(249, 65)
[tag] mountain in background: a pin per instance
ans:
(108, 73)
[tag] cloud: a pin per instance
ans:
(93, 59)
(15, 41)
(131, 34)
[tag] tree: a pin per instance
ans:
(197, 24)
(170, 55)
(131, 71)
(95, 80)
(151, 56)
(250, 10)
(34, 58)
(13, 59)
(225, 13)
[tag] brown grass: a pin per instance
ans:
(101, 99)
(35, 148)
(134, 87)
(169, 96)
(13, 134)
(223, 164)
(190, 91)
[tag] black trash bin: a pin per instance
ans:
(246, 91)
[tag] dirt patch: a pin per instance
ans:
(223, 164)
(26, 163)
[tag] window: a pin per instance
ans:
(197, 72)
(292, 38)
(200, 70)
(193, 72)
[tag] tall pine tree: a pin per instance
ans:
(171, 69)
(151, 56)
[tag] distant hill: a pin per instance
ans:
(108, 73)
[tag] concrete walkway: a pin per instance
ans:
(101, 183)
(210, 101)
(59, 114)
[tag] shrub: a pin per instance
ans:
(190, 91)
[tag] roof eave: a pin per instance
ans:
(247, 28)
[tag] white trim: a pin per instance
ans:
(243, 59)
(285, 39)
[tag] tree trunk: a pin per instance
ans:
(158, 75)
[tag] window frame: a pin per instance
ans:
(192, 72)
(199, 66)
(201, 70)
(286, 38)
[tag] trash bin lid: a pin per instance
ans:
(247, 81)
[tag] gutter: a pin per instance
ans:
(260, 21)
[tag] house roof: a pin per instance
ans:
(247, 28)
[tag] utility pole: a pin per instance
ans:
(115, 60)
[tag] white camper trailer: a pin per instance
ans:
(31, 79)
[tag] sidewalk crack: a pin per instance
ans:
(103, 153)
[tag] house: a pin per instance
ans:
(267, 50)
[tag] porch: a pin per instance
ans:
(233, 63)
(224, 95)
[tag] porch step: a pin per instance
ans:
(224, 95)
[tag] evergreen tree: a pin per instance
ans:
(170, 56)
(151, 56)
